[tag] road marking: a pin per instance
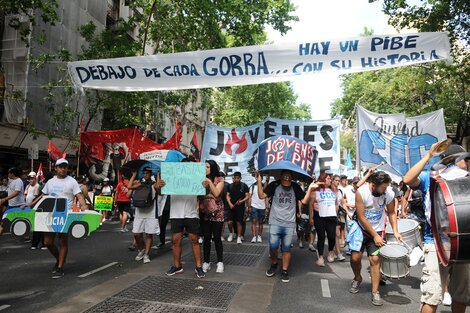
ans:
(5, 306)
(98, 269)
(325, 288)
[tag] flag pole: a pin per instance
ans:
(78, 156)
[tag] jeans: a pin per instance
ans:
(280, 233)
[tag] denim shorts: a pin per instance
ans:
(280, 233)
(257, 214)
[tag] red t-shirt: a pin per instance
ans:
(121, 192)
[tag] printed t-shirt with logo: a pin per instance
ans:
(374, 207)
(284, 203)
(326, 199)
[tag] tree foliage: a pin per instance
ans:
(419, 89)
(244, 105)
(164, 26)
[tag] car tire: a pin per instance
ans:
(79, 230)
(20, 228)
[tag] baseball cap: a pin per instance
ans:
(106, 179)
(32, 174)
(61, 161)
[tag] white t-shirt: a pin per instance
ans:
(31, 192)
(106, 191)
(16, 185)
(326, 199)
(374, 207)
(62, 187)
(256, 202)
(183, 206)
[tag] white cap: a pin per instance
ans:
(61, 161)
(32, 174)
(106, 179)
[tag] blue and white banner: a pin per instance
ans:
(395, 140)
(236, 149)
(259, 64)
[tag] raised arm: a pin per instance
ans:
(133, 183)
(411, 178)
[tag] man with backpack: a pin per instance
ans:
(257, 209)
(146, 213)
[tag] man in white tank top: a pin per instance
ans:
(373, 199)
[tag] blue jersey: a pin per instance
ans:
(425, 182)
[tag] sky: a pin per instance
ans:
(332, 19)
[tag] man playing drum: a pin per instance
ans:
(372, 200)
(434, 274)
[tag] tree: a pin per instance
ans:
(422, 88)
(244, 105)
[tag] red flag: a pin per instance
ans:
(93, 143)
(195, 148)
(40, 173)
(54, 152)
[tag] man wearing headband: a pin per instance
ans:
(434, 275)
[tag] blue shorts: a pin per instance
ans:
(280, 233)
(257, 214)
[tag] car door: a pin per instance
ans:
(43, 216)
(59, 216)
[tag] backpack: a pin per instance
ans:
(143, 197)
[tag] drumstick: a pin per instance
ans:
(381, 163)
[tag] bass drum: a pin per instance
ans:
(450, 219)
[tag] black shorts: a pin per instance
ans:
(238, 214)
(124, 206)
(191, 225)
(368, 245)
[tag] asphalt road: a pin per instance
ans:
(26, 284)
(25, 274)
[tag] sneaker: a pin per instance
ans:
(33, 248)
(259, 239)
(200, 240)
(174, 270)
(199, 272)
(43, 248)
(222, 238)
(376, 299)
(253, 240)
(331, 258)
(284, 276)
(161, 245)
(301, 244)
(341, 257)
(355, 286)
(146, 259)
(206, 267)
(311, 247)
(124, 230)
(320, 262)
(220, 267)
(348, 252)
(239, 240)
(447, 301)
(54, 269)
(58, 273)
(132, 248)
(140, 255)
(272, 270)
(230, 238)
(242, 238)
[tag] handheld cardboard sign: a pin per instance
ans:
(51, 215)
(280, 153)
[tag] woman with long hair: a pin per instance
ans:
(326, 220)
(212, 208)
